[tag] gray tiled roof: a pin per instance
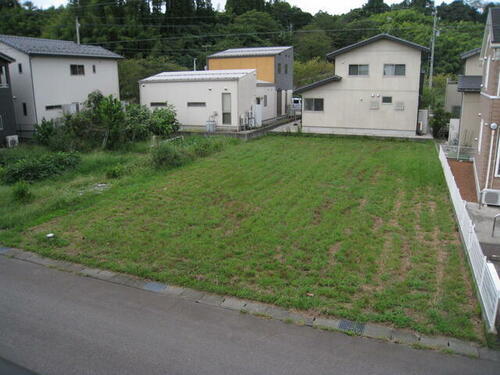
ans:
(470, 53)
(54, 47)
(469, 83)
(6, 58)
(495, 24)
(254, 51)
(374, 39)
(319, 83)
(199, 75)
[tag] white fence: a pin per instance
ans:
(485, 274)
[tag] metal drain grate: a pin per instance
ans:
(3, 250)
(347, 325)
(154, 287)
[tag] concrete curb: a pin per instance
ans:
(375, 331)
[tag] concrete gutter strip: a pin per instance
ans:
(371, 330)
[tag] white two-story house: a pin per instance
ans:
(375, 90)
(52, 77)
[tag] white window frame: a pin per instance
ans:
(498, 85)
(393, 75)
(487, 75)
(196, 104)
(498, 155)
(3, 73)
(358, 75)
(480, 140)
(314, 105)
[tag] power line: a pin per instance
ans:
(202, 36)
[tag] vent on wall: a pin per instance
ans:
(374, 104)
(491, 197)
(12, 140)
(399, 106)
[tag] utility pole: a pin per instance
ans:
(77, 25)
(433, 42)
(194, 64)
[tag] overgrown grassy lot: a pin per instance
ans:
(349, 227)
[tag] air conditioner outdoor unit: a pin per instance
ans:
(12, 140)
(490, 197)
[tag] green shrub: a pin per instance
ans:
(137, 122)
(439, 122)
(167, 155)
(44, 132)
(164, 122)
(201, 146)
(111, 119)
(21, 192)
(33, 169)
(116, 171)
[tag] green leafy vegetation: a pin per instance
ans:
(166, 36)
(347, 227)
(21, 192)
(105, 123)
(32, 168)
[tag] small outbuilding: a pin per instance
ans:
(221, 100)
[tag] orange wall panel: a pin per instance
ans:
(263, 64)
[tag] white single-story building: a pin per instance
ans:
(52, 77)
(374, 90)
(224, 98)
(266, 99)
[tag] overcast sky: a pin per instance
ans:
(312, 6)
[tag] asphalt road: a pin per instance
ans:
(53, 322)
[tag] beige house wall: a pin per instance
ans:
(354, 104)
(469, 119)
(473, 66)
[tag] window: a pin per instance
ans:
(77, 70)
(394, 69)
(358, 70)
(93, 69)
(386, 99)
(197, 104)
(51, 107)
(314, 104)
(20, 68)
(265, 100)
(257, 101)
(286, 68)
(1, 122)
(226, 109)
(3, 77)
(25, 109)
(158, 104)
(279, 68)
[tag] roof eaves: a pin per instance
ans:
(319, 83)
(374, 39)
(221, 54)
(472, 52)
(6, 58)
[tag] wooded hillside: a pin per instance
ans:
(170, 34)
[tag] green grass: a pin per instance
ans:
(349, 227)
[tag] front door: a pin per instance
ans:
(279, 110)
